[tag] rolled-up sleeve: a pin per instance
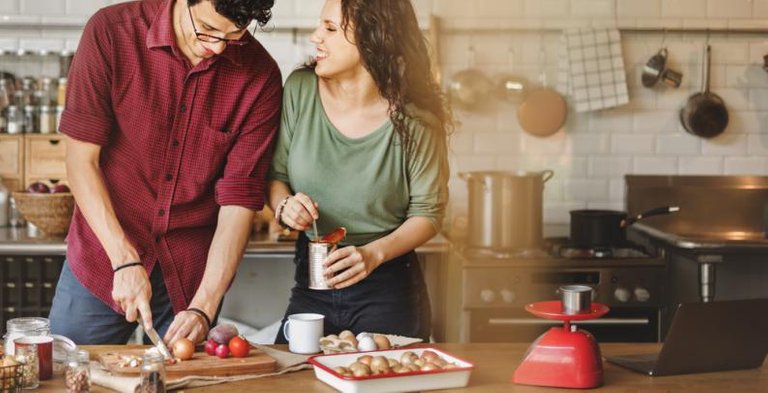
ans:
(428, 177)
(244, 180)
(88, 114)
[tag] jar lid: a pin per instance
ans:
(27, 324)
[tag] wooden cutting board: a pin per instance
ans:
(201, 364)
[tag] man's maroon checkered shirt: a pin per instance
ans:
(177, 141)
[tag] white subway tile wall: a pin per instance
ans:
(593, 151)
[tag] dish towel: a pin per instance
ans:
(591, 69)
(286, 362)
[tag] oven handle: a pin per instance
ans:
(534, 321)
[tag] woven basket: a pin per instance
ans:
(50, 213)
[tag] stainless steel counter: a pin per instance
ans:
(16, 241)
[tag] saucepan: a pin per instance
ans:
(705, 114)
(606, 228)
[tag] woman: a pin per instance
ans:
(363, 145)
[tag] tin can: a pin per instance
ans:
(318, 251)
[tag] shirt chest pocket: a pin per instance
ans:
(205, 155)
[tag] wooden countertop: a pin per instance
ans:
(494, 366)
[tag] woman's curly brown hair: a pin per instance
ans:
(242, 12)
(394, 51)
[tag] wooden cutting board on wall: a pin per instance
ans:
(201, 364)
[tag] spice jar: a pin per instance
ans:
(152, 373)
(26, 355)
(47, 119)
(27, 326)
(77, 377)
(14, 122)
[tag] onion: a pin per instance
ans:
(183, 348)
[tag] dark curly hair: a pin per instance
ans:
(394, 51)
(242, 12)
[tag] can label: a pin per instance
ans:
(318, 251)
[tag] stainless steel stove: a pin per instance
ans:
(495, 286)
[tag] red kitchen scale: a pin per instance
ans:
(564, 357)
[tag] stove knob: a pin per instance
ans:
(487, 296)
(621, 294)
(642, 294)
(508, 296)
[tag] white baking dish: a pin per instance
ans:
(407, 382)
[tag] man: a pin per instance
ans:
(171, 112)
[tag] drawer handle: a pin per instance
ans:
(54, 142)
(10, 285)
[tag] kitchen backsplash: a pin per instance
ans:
(594, 150)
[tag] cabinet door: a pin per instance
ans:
(11, 157)
(44, 157)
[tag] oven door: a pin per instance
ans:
(516, 325)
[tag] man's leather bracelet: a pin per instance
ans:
(202, 314)
(129, 264)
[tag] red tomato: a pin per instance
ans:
(222, 351)
(210, 347)
(239, 347)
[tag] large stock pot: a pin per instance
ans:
(505, 209)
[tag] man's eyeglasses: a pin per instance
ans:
(212, 39)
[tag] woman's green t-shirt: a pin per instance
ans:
(364, 184)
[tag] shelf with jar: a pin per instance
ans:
(32, 103)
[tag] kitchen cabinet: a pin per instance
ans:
(44, 158)
(25, 159)
(28, 285)
(11, 160)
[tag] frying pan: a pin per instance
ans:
(543, 111)
(704, 114)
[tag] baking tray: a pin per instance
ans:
(391, 382)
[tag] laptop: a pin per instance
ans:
(706, 337)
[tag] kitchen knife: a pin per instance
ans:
(156, 340)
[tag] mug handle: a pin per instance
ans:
(285, 329)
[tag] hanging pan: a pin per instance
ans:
(705, 114)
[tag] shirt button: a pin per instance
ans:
(175, 142)
(168, 177)
(183, 108)
(157, 239)
(161, 212)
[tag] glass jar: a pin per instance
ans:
(31, 119)
(152, 373)
(14, 122)
(47, 119)
(21, 327)
(62, 92)
(77, 376)
(26, 355)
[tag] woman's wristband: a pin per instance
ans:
(129, 264)
(202, 314)
(279, 211)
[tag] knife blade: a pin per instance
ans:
(156, 340)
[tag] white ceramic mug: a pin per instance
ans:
(303, 332)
